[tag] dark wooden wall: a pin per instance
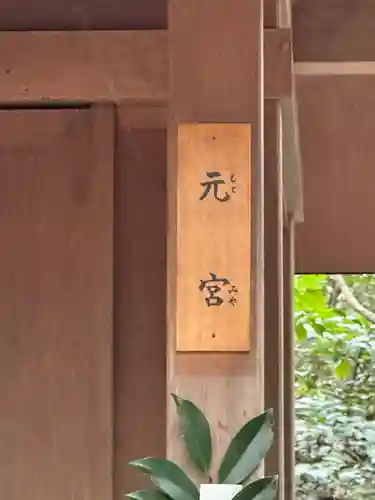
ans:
(140, 296)
(56, 295)
(83, 300)
(334, 30)
(83, 14)
(337, 126)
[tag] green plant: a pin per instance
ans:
(335, 388)
(243, 456)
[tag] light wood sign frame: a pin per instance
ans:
(213, 237)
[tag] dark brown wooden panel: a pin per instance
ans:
(337, 123)
(82, 14)
(140, 294)
(56, 211)
(334, 30)
(270, 13)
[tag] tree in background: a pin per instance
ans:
(335, 387)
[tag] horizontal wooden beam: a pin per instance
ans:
(118, 66)
(83, 66)
(334, 68)
(94, 66)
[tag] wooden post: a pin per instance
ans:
(216, 52)
(289, 346)
(140, 264)
(273, 282)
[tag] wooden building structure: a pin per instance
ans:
(92, 97)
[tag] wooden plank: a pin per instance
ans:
(292, 157)
(270, 13)
(213, 237)
(83, 66)
(347, 68)
(25, 15)
(273, 277)
(277, 63)
(140, 293)
(101, 144)
(334, 30)
(285, 13)
(338, 147)
(56, 261)
(147, 116)
(215, 77)
(95, 66)
(277, 13)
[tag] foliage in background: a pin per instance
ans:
(244, 454)
(335, 388)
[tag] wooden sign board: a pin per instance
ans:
(213, 237)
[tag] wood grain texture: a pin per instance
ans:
(334, 30)
(292, 156)
(338, 148)
(277, 13)
(270, 13)
(140, 293)
(143, 115)
(356, 68)
(110, 66)
(44, 15)
(56, 212)
(215, 77)
(273, 286)
(285, 13)
(277, 63)
(87, 66)
(213, 237)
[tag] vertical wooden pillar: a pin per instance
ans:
(273, 283)
(273, 273)
(139, 285)
(289, 346)
(216, 52)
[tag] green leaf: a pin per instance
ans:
(247, 449)
(196, 432)
(168, 477)
(262, 489)
(344, 369)
(147, 495)
(301, 332)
